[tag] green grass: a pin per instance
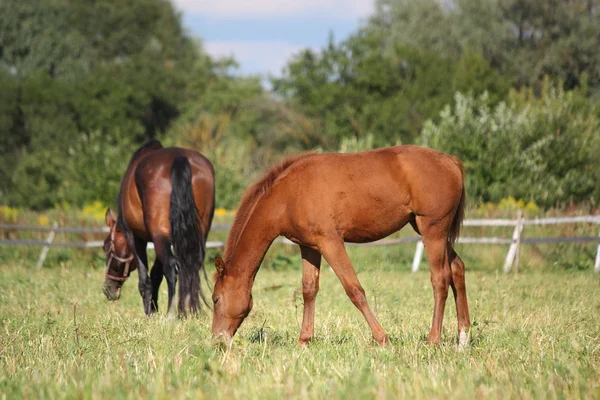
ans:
(535, 335)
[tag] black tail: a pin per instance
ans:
(186, 236)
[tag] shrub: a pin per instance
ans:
(542, 148)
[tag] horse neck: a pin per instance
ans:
(255, 239)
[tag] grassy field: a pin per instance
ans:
(535, 335)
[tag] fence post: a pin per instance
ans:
(513, 251)
(418, 256)
(45, 249)
(597, 263)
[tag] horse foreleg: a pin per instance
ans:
(337, 257)
(162, 246)
(156, 276)
(311, 264)
(144, 282)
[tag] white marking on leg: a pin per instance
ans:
(463, 340)
(171, 310)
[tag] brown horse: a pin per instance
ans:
(320, 201)
(167, 197)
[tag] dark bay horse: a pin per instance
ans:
(167, 197)
(320, 201)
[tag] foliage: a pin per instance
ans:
(354, 144)
(8, 214)
(511, 204)
(543, 149)
(75, 72)
(362, 87)
(524, 40)
(82, 84)
(405, 63)
(95, 210)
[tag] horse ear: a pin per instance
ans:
(110, 218)
(220, 266)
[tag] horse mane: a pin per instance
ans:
(149, 146)
(251, 197)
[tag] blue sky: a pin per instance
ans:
(262, 34)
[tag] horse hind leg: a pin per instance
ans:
(460, 297)
(434, 236)
(156, 276)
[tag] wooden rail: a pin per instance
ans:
(512, 256)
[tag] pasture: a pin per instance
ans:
(534, 335)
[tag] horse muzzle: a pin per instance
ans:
(111, 293)
(224, 328)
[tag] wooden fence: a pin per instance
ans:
(511, 261)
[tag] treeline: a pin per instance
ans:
(526, 123)
(510, 86)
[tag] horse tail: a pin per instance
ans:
(186, 236)
(454, 231)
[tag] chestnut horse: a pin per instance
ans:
(167, 197)
(320, 201)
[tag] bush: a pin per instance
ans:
(533, 148)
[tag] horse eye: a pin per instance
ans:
(215, 300)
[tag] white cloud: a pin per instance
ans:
(254, 56)
(277, 8)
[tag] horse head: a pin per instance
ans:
(232, 303)
(119, 259)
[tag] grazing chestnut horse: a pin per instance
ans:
(167, 197)
(320, 201)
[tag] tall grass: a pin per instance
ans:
(534, 335)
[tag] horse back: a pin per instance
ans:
(369, 195)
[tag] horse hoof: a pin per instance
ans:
(383, 342)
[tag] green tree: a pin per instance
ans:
(525, 40)
(118, 69)
(365, 85)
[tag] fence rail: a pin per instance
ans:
(37, 228)
(512, 257)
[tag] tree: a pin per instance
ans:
(525, 40)
(366, 85)
(118, 69)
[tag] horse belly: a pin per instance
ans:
(373, 209)
(364, 229)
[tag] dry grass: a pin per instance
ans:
(534, 336)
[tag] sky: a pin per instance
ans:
(262, 35)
